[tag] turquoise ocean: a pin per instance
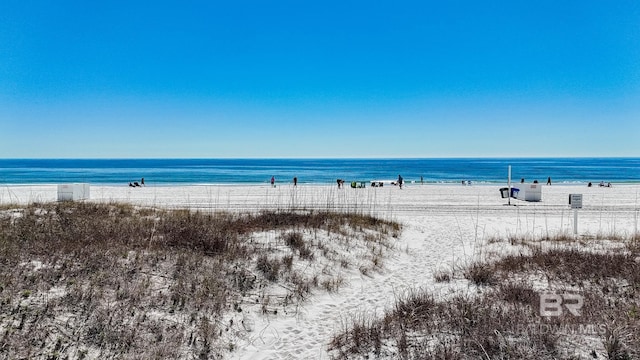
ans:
(317, 171)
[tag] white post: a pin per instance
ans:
(509, 186)
(575, 221)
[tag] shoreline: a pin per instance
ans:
(328, 184)
(387, 201)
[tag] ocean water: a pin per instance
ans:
(316, 171)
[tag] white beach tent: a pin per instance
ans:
(72, 192)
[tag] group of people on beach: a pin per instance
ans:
(399, 183)
(536, 181)
(602, 184)
(340, 182)
(590, 184)
(136, 184)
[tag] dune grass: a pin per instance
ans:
(500, 317)
(85, 280)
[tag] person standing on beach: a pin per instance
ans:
(549, 180)
(295, 181)
(400, 181)
(273, 181)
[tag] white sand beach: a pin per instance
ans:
(443, 226)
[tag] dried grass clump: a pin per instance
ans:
(480, 273)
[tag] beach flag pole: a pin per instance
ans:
(509, 186)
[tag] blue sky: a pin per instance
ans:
(231, 79)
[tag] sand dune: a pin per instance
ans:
(444, 225)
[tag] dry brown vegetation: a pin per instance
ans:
(84, 280)
(500, 318)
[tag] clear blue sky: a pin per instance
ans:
(113, 79)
